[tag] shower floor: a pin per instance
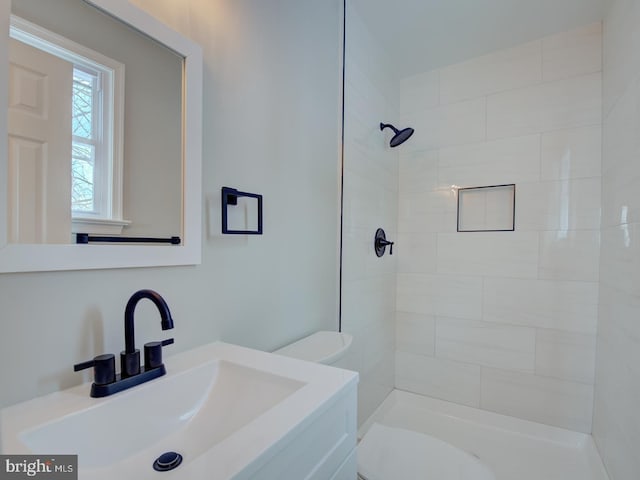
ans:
(511, 447)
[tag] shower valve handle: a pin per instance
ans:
(383, 243)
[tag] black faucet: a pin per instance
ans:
(106, 382)
(130, 357)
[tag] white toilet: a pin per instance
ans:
(387, 453)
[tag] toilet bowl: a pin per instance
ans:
(387, 453)
(321, 347)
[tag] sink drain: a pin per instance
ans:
(167, 461)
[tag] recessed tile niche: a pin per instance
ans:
(486, 209)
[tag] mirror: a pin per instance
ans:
(159, 137)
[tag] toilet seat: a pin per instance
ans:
(387, 453)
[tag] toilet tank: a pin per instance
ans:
(321, 347)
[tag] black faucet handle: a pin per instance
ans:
(153, 353)
(104, 368)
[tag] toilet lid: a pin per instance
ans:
(387, 453)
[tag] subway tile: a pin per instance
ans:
(501, 254)
(621, 173)
(458, 296)
(415, 333)
(506, 69)
(419, 92)
(416, 252)
(455, 124)
(417, 171)
(438, 378)
(561, 305)
(487, 344)
(621, 63)
(573, 102)
(509, 160)
(570, 255)
(373, 166)
(379, 347)
(362, 97)
(367, 204)
(541, 399)
(447, 295)
(559, 205)
(427, 212)
(618, 374)
(362, 134)
(565, 355)
(572, 153)
(620, 262)
(576, 52)
(618, 144)
(620, 200)
(368, 301)
(416, 293)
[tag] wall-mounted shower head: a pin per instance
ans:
(400, 136)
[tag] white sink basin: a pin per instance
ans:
(221, 407)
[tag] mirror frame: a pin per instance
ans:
(55, 257)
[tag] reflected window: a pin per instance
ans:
(96, 127)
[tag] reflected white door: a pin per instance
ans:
(39, 177)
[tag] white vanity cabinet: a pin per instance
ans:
(321, 449)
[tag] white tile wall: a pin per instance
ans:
(496, 254)
(620, 203)
(504, 70)
(559, 205)
(561, 305)
(565, 355)
(541, 399)
(572, 255)
(572, 153)
(365, 203)
(419, 252)
(572, 102)
(508, 160)
(620, 258)
(621, 42)
(370, 201)
(488, 344)
(447, 295)
(507, 320)
(616, 141)
(616, 427)
(422, 212)
(415, 333)
(452, 124)
(577, 52)
(418, 171)
(439, 378)
(420, 92)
